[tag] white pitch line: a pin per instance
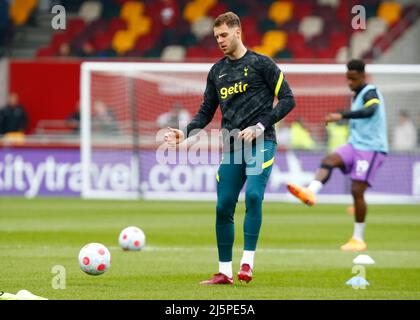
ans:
(214, 249)
(271, 250)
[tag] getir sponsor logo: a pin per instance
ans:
(238, 87)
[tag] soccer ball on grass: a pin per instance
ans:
(132, 239)
(94, 259)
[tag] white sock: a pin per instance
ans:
(248, 258)
(226, 268)
(359, 231)
(315, 186)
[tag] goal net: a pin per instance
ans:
(126, 107)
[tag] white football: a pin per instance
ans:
(132, 238)
(94, 259)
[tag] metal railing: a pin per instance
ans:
(395, 32)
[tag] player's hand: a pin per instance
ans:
(250, 133)
(174, 136)
(333, 117)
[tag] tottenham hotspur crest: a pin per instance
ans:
(246, 71)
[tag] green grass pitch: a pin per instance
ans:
(298, 254)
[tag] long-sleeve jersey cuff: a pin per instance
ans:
(359, 114)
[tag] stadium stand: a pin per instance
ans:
(311, 29)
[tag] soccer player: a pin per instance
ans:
(244, 84)
(363, 154)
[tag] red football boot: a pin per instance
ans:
(245, 274)
(218, 278)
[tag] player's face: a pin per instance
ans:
(355, 79)
(227, 38)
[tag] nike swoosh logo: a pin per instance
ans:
(264, 150)
(222, 75)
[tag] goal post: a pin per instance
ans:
(123, 105)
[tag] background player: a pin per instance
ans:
(363, 154)
(244, 84)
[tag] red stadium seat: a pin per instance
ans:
(145, 43)
(78, 40)
(116, 24)
(97, 26)
(208, 42)
(249, 25)
(302, 10)
(102, 41)
(217, 10)
(252, 39)
(303, 53)
(319, 42)
(215, 53)
(121, 2)
(295, 41)
(258, 9)
(343, 12)
(45, 52)
(338, 40)
(326, 53)
(196, 52)
(290, 26)
(133, 54)
(75, 26)
(59, 38)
